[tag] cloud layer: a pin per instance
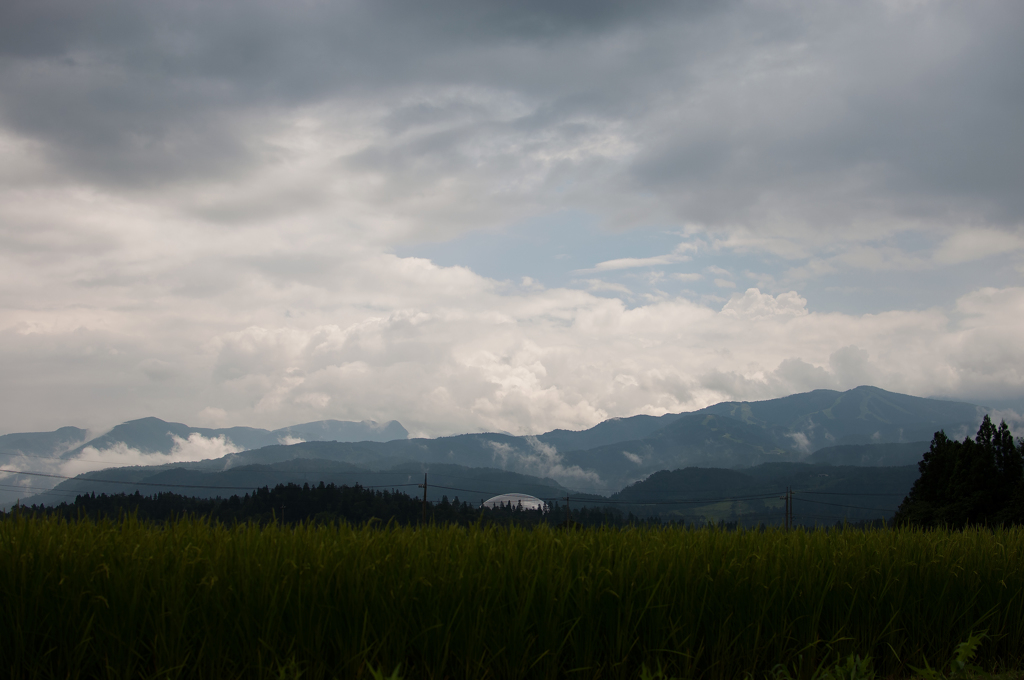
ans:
(205, 209)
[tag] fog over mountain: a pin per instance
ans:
(151, 441)
(152, 435)
(865, 427)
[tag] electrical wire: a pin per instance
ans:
(40, 489)
(611, 502)
(843, 493)
(167, 485)
(839, 505)
(569, 498)
(675, 501)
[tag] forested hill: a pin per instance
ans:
(865, 426)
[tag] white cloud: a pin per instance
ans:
(225, 244)
(195, 447)
(633, 458)
(754, 304)
(800, 441)
(677, 255)
(213, 417)
(444, 350)
(598, 286)
(975, 244)
(541, 460)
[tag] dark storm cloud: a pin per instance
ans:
(142, 93)
(200, 205)
(738, 111)
(912, 116)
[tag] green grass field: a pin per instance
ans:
(191, 600)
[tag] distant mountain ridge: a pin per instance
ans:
(865, 426)
(42, 443)
(788, 429)
(863, 415)
(152, 435)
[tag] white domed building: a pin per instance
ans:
(523, 500)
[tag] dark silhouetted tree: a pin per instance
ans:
(972, 482)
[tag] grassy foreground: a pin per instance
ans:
(194, 600)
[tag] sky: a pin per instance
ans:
(474, 216)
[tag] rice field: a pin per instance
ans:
(192, 599)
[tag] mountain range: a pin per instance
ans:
(865, 426)
(152, 435)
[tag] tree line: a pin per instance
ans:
(973, 482)
(321, 504)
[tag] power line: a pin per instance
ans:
(121, 481)
(839, 505)
(157, 484)
(396, 473)
(66, 460)
(685, 501)
(577, 499)
(40, 489)
(837, 518)
(843, 493)
(596, 501)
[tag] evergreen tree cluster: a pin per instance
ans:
(976, 481)
(321, 504)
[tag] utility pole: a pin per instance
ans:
(424, 485)
(789, 508)
(789, 522)
(567, 514)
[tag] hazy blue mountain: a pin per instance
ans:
(474, 450)
(863, 415)
(688, 484)
(691, 440)
(822, 495)
(744, 434)
(152, 435)
(39, 445)
(345, 431)
(366, 454)
(865, 426)
(470, 484)
(729, 435)
(611, 431)
(886, 429)
(42, 443)
(870, 455)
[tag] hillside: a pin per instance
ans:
(863, 415)
(822, 495)
(470, 484)
(152, 435)
(865, 426)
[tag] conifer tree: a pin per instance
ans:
(971, 482)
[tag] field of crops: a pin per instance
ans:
(129, 600)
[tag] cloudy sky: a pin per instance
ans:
(503, 216)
